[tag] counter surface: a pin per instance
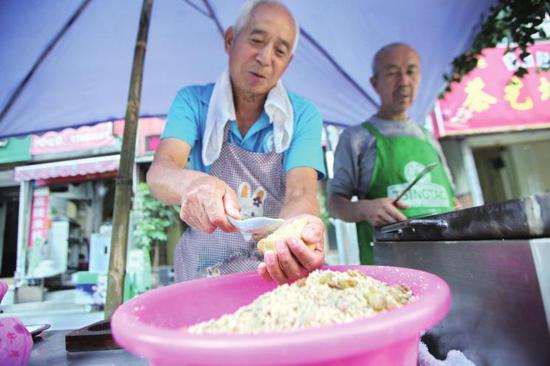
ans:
(49, 349)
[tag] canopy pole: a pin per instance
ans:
(123, 188)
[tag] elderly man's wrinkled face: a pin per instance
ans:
(260, 53)
(397, 78)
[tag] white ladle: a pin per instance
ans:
(254, 225)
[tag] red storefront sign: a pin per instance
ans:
(97, 136)
(83, 138)
(491, 98)
(39, 225)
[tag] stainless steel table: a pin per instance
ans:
(49, 349)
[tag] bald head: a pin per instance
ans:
(382, 53)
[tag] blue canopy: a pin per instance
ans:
(81, 76)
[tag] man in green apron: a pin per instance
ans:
(375, 161)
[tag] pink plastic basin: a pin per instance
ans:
(148, 325)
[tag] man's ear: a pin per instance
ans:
(373, 82)
(288, 63)
(228, 39)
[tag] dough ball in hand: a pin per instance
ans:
(294, 229)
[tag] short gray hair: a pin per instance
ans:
(248, 7)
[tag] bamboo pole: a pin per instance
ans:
(123, 188)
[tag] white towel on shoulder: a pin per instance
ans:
(222, 109)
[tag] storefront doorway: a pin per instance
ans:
(9, 203)
(513, 165)
(495, 173)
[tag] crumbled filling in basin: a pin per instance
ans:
(324, 297)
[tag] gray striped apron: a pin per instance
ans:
(201, 255)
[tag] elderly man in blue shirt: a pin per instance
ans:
(241, 147)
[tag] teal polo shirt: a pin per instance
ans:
(186, 121)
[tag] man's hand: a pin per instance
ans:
(292, 258)
(458, 204)
(207, 202)
(381, 211)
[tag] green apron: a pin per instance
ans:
(398, 160)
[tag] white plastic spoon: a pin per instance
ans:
(254, 225)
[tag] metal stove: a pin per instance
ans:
(496, 259)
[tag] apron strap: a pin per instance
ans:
(373, 131)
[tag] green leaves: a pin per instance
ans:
(151, 218)
(515, 21)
